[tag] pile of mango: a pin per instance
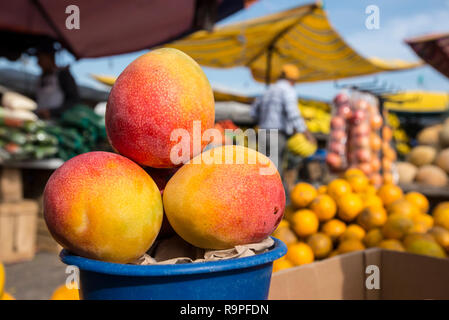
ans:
(351, 214)
(3, 294)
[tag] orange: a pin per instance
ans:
(349, 206)
(322, 189)
(288, 212)
(324, 207)
(300, 253)
(392, 244)
(7, 296)
(418, 199)
(375, 142)
(353, 231)
(321, 245)
(441, 217)
(358, 183)
(418, 228)
(426, 247)
(286, 235)
(387, 133)
(412, 236)
(281, 264)
(388, 152)
(387, 177)
(303, 194)
(372, 217)
(397, 226)
(375, 164)
(333, 228)
(387, 164)
(371, 189)
(441, 236)
(442, 206)
(333, 254)
(403, 207)
(305, 222)
(373, 238)
(350, 245)
(376, 180)
(424, 219)
(64, 293)
(366, 168)
(2, 278)
(353, 172)
(338, 188)
(371, 200)
(389, 193)
(283, 224)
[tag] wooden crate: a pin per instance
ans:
(18, 224)
(45, 241)
(11, 186)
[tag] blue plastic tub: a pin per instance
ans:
(234, 279)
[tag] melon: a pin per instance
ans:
(422, 155)
(442, 160)
(430, 136)
(431, 175)
(444, 136)
(407, 172)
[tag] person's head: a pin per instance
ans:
(46, 58)
(290, 72)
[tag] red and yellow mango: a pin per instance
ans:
(157, 93)
(103, 206)
(216, 201)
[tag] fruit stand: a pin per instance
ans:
(161, 196)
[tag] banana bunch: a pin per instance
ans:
(393, 120)
(400, 135)
(2, 279)
(107, 80)
(317, 120)
(403, 148)
(298, 144)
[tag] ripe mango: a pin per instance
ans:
(103, 206)
(217, 201)
(157, 93)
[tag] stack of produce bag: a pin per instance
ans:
(24, 137)
(78, 131)
(360, 139)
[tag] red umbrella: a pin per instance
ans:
(105, 27)
(433, 49)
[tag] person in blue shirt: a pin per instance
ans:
(278, 110)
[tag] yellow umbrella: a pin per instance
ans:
(418, 101)
(302, 36)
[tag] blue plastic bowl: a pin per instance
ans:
(234, 279)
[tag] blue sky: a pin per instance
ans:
(399, 19)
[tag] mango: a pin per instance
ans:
(226, 196)
(103, 206)
(157, 93)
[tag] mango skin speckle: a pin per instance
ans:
(219, 206)
(159, 92)
(103, 206)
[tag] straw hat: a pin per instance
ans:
(290, 72)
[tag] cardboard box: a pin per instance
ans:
(401, 276)
(18, 223)
(11, 187)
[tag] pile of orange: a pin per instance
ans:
(351, 214)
